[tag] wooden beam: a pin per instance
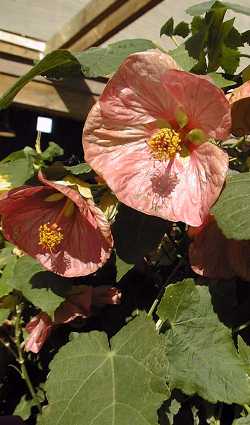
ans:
(81, 22)
(51, 98)
(113, 22)
(9, 50)
(16, 68)
(19, 40)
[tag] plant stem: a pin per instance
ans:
(174, 40)
(161, 292)
(247, 408)
(24, 372)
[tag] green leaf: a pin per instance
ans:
(245, 37)
(242, 421)
(79, 169)
(201, 354)
(220, 81)
(180, 54)
(201, 8)
(136, 234)
(50, 61)
(168, 28)
(103, 61)
(23, 409)
(4, 313)
(233, 208)
(121, 385)
(5, 255)
(121, 268)
(7, 276)
(52, 151)
(182, 29)
(29, 277)
(94, 62)
(229, 59)
(17, 172)
(195, 44)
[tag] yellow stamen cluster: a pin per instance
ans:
(50, 236)
(165, 144)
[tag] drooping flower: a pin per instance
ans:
(212, 255)
(148, 135)
(81, 302)
(59, 227)
(76, 305)
(240, 109)
(39, 328)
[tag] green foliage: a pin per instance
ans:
(23, 409)
(167, 28)
(4, 313)
(104, 61)
(242, 421)
(94, 62)
(182, 29)
(79, 169)
(201, 8)
(121, 268)
(220, 81)
(214, 42)
(103, 383)
(181, 56)
(26, 275)
(49, 62)
(200, 348)
(233, 207)
(136, 234)
(17, 172)
(52, 151)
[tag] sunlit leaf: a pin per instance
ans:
(202, 357)
(120, 383)
(233, 207)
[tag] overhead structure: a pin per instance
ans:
(96, 22)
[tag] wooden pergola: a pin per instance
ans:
(95, 23)
(29, 29)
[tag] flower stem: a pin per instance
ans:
(21, 360)
(161, 292)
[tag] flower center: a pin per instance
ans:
(165, 144)
(50, 236)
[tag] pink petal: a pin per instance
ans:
(240, 108)
(77, 305)
(87, 242)
(39, 329)
(179, 190)
(106, 295)
(134, 94)
(205, 104)
(208, 253)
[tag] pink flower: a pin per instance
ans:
(212, 255)
(53, 223)
(240, 109)
(39, 329)
(148, 138)
(76, 305)
(80, 303)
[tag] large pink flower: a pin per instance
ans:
(212, 255)
(55, 224)
(148, 138)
